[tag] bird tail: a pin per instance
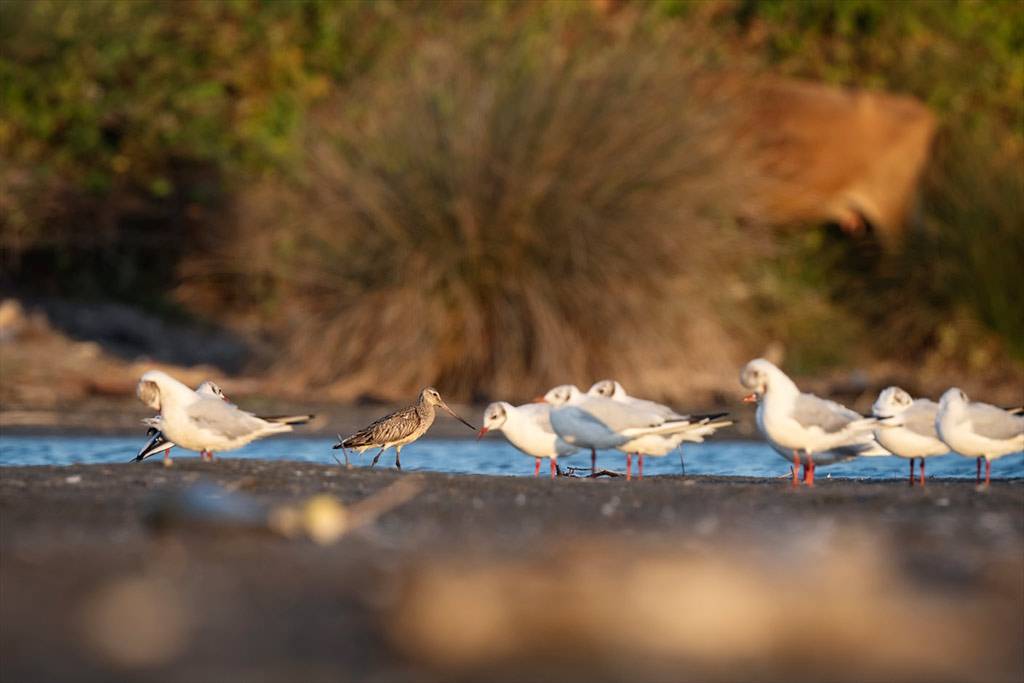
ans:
(705, 428)
(288, 419)
(157, 444)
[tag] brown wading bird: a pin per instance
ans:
(400, 428)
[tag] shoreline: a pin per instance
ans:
(230, 601)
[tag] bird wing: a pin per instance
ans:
(620, 416)
(388, 429)
(920, 417)
(829, 416)
(994, 423)
(225, 419)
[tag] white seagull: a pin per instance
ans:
(158, 442)
(907, 427)
(205, 423)
(657, 445)
(803, 428)
(598, 423)
(978, 430)
(528, 428)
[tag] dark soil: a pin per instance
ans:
(260, 607)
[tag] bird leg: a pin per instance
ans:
(167, 458)
(398, 457)
(988, 470)
(640, 465)
(796, 468)
(809, 471)
(629, 466)
(593, 461)
(912, 471)
(977, 478)
(682, 463)
(377, 457)
(554, 468)
(922, 471)
(536, 468)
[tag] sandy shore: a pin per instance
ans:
(465, 581)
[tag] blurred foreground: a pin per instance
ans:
(484, 578)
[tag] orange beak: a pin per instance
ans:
(537, 399)
(480, 434)
(750, 398)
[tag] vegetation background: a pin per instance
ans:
(498, 196)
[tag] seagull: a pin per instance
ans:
(657, 444)
(810, 430)
(528, 428)
(598, 423)
(907, 427)
(399, 428)
(978, 430)
(160, 443)
(201, 422)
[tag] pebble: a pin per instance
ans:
(521, 499)
(74, 479)
(608, 509)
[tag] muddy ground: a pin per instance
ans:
(500, 578)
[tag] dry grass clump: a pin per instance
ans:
(498, 211)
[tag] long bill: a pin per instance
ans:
(453, 414)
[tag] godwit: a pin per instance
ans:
(907, 427)
(201, 422)
(528, 428)
(978, 430)
(658, 445)
(399, 428)
(803, 428)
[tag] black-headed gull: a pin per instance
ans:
(978, 430)
(205, 423)
(158, 443)
(657, 445)
(802, 428)
(907, 427)
(399, 428)
(528, 428)
(599, 423)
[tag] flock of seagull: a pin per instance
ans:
(804, 429)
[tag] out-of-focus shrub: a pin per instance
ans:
(123, 121)
(504, 208)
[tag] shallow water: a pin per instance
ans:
(496, 456)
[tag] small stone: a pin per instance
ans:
(73, 479)
(521, 499)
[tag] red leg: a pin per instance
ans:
(536, 468)
(554, 468)
(911, 471)
(809, 471)
(629, 466)
(796, 469)
(978, 477)
(988, 470)
(922, 471)
(640, 465)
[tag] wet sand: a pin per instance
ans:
(91, 593)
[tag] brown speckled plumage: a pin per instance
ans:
(399, 428)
